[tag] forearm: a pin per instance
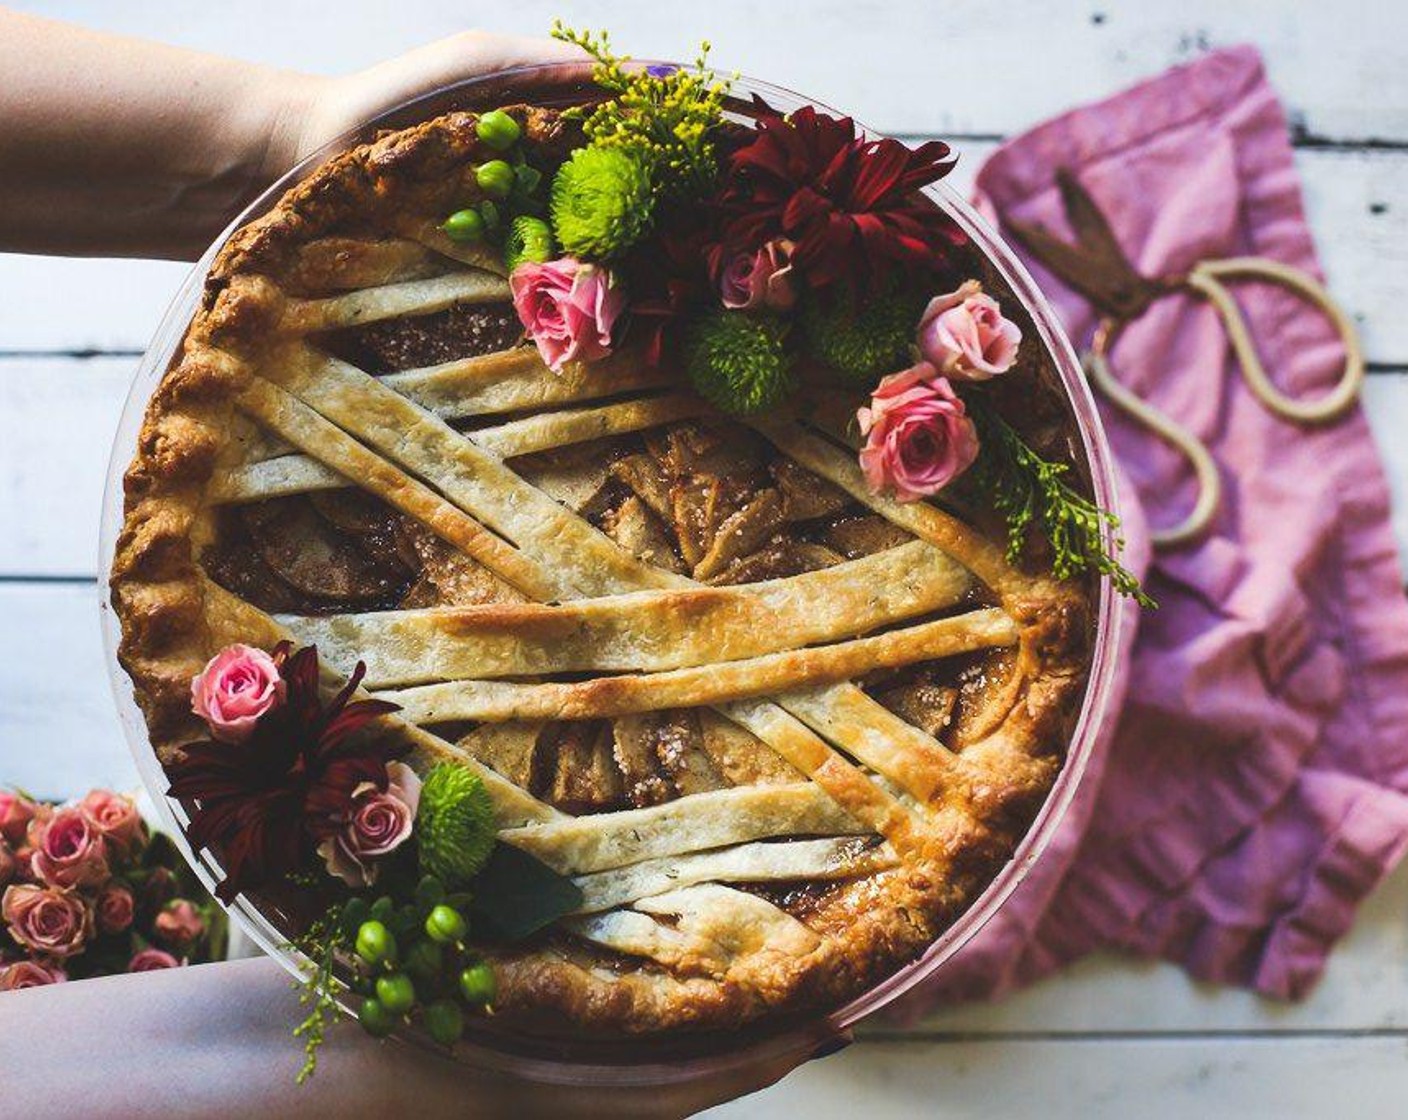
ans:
(117, 146)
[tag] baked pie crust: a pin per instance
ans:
(781, 730)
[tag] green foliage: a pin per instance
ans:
(1031, 492)
(515, 895)
(455, 824)
(320, 943)
(529, 239)
(739, 362)
(862, 343)
(601, 203)
(665, 121)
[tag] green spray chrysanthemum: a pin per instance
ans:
(528, 239)
(862, 343)
(739, 362)
(601, 203)
(454, 824)
(665, 117)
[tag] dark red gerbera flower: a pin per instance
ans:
(850, 204)
(265, 803)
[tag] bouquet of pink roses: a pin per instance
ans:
(89, 890)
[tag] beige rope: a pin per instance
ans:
(1206, 280)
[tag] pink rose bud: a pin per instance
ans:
(116, 817)
(918, 435)
(159, 889)
(150, 960)
(964, 335)
(762, 279)
(376, 824)
(113, 908)
(15, 814)
(30, 974)
(568, 308)
(180, 925)
(68, 850)
(239, 685)
(48, 921)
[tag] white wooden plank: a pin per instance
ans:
(57, 420)
(905, 65)
(1094, 1079)
(1357, 202)
(59, 734)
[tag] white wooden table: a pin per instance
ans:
(1110, 1038)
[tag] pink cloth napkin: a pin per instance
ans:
(1256, 786)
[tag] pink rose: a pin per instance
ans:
(376, 824)
(68, 850)
(569, 308)
(9, 863)
(963, 334)
(47, 920)
(29, 974)
(762, 279)
(15, 813)
(918, 435)
(180, 925)
(116, 817)
(150, 960)
(239, 685)
(113, 908)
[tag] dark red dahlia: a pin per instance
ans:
(850, 204)
(265, 803)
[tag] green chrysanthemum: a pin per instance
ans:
(602, 203)
(739, 362)
(528, 239)
(865, 342)
(454, 825)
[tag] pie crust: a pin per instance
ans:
(788, 817)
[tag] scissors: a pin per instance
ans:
(1095, 266)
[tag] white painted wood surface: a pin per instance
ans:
(1109, 1038)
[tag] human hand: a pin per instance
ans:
(200, 1041)
(310, 111)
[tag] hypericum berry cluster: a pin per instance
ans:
(508, 210)
(412, 959)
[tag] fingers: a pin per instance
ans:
(338, 105)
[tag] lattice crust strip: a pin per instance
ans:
(731, 647)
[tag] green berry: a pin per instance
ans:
(495, 178)
(739, 362)
(375, 943)
(499, 130)
(602, 202)
(425, 960)
(464, 226)
(455, 824)
(375, 1019)
(529, 239)
(396, 993)
(445, 1022)
(477, 984)
(862, 343)
(445, 924)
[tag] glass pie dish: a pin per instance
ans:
(676, 1056)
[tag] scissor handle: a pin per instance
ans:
(1206, 279)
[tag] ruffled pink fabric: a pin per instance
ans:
(1256, 787)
